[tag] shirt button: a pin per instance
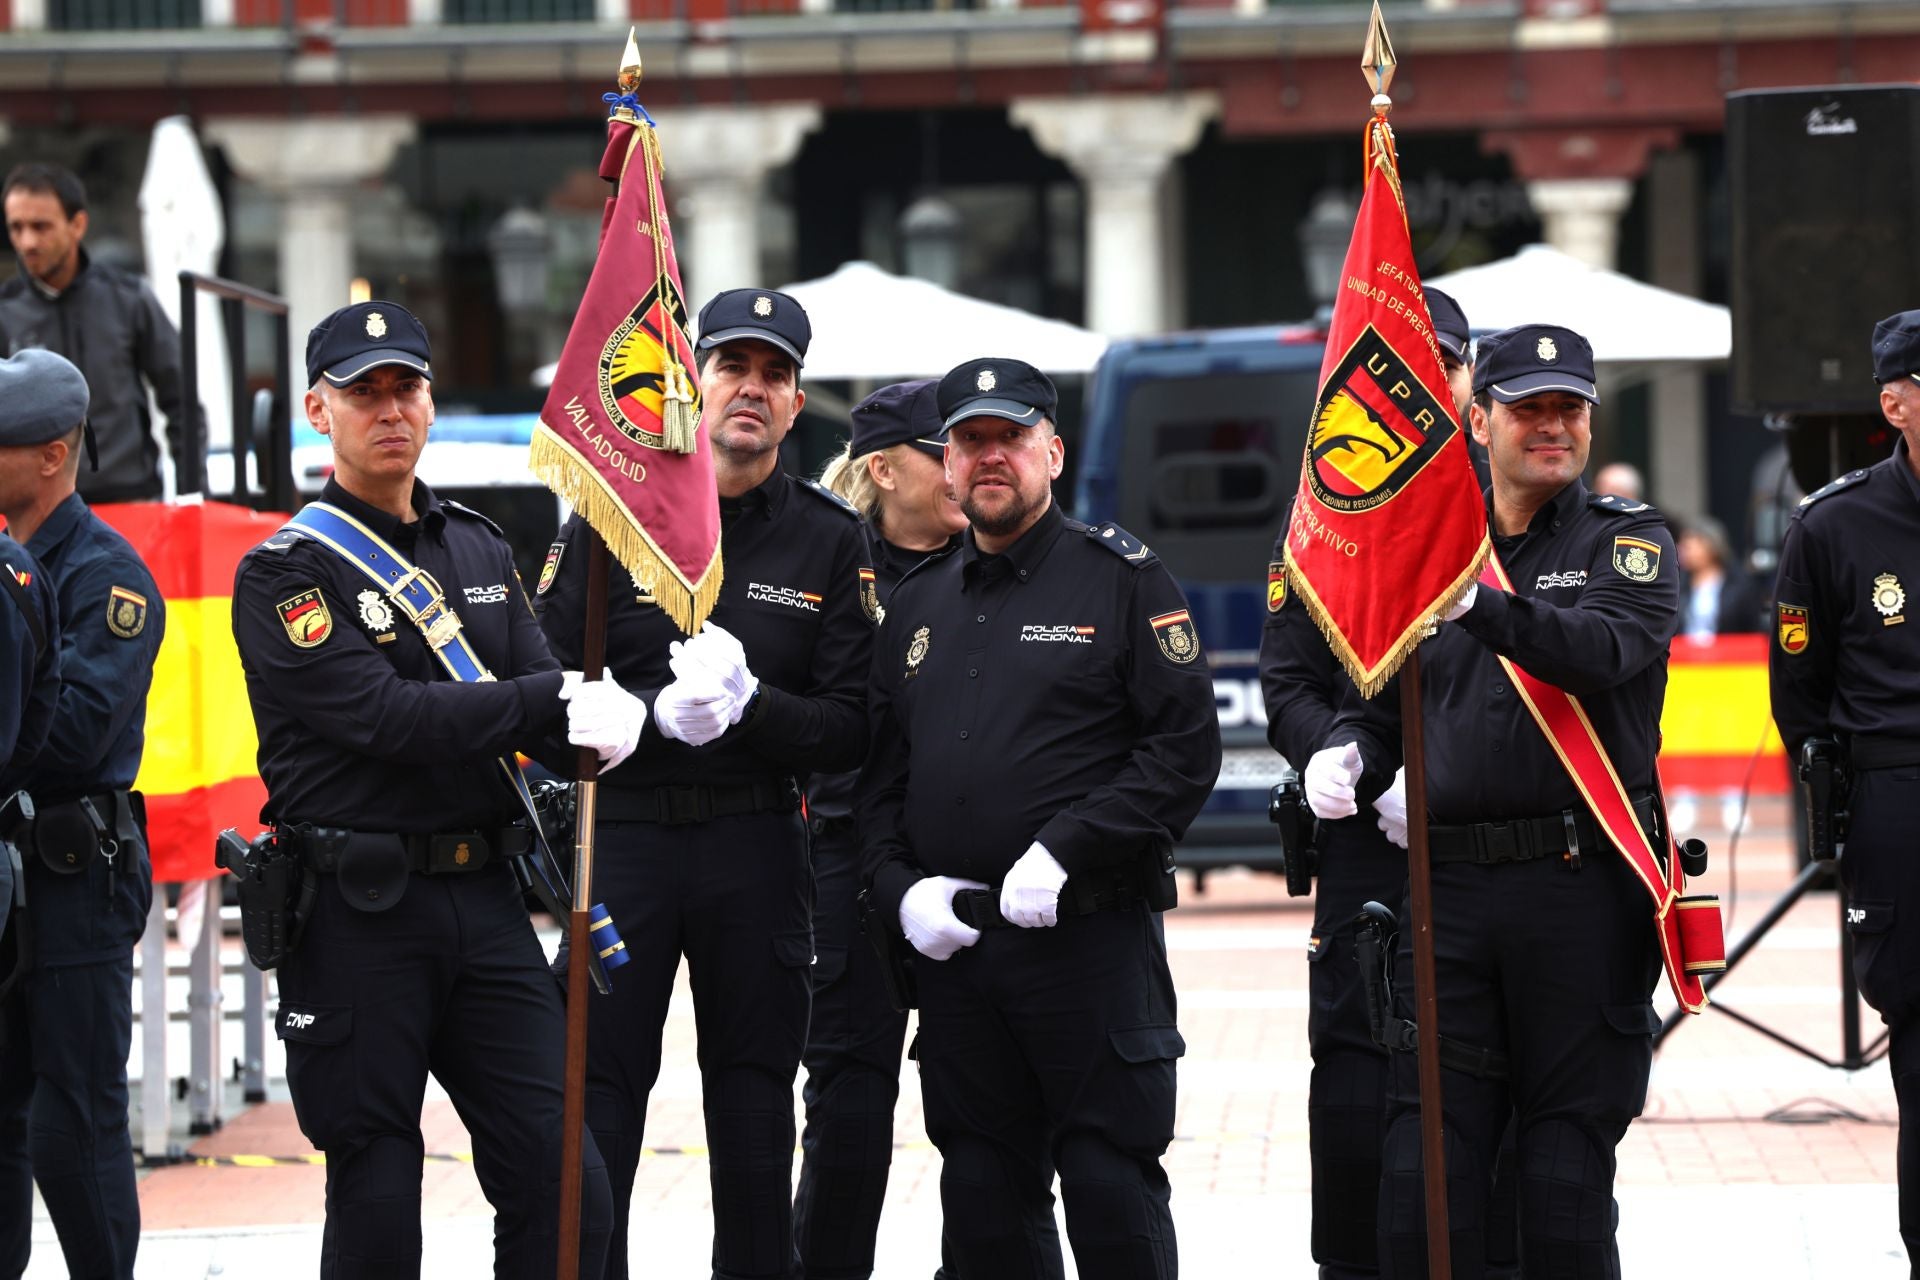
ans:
(1499, 688)
(1556, 524)
(1023, 573)
(981, 618)
(973, 671)
(963, 735)
(1496, 746)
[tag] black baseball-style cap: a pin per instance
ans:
(365, 336)
(763, 315)
(904, 413)
(998, 387)
(1449, 325)
(1532, 358)
(1896, 347)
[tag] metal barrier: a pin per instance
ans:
(275, 444)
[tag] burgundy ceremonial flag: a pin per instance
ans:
(620, 436)
(1388, 529)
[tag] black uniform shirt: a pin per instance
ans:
(111, 623)
(1056, 692)
(33, 683)
(1846, 647)
(360, 726)
(792, 595)
(831, 794)
(1595, 603)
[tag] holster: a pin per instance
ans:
(1825, 775)
(16, 926)
(276, 893)
(1373, 944)
(896, 971)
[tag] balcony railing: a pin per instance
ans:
(122, 15)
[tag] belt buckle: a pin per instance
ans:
(457, 851)
(1499, 842)
(682, 805)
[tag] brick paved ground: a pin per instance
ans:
(1786, 1167)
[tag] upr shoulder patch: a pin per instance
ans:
(1846, 481)
(551, 569)
(1276, 585)
(126, 613)
(306, 618)
(1121, 543)
(825, 494)
(1614, 504)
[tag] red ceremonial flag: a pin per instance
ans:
(620, 436)
(1388, 529)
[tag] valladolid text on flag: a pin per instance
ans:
(1388, 527)
(620, 436)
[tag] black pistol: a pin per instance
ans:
(1298, 830)
(896, 973)
(1823, 772)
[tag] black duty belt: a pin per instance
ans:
(1570, 831)
(698, 802)
(1883, 751)
(442, 853)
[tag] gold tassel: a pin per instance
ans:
(679, 420)
(562, 471)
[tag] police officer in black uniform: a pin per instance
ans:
(1546, 954)
(68, 1024)
(894, 472)
(29, 654)
(1844, 665)
(1454, 337)
(385, 777)
(1044, 729)
(702, 850)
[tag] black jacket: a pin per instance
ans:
(109, 323)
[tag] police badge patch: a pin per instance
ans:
(1176, 636)
(377, 614)
(306, 618)
(1795, 628)
(1636, 558)
(1276, 585)
(551, 569)
(870, 598)
(917, 652)
(126, 613)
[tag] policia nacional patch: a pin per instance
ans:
(126, 613)
(1276, 585)
(1636, 558)
(1795, 628)
(1176, 636)
(870, 598)
(306, 618)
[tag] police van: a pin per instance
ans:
(1192, 442)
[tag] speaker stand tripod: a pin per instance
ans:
(1854, 1055)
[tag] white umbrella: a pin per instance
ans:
(182, 228)
(1627, 322)
(872, 324)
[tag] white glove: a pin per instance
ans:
(1030, 895)
(694, 709)
(1392, 808)
(1463, 604)
(569, 681)
(715, 651)
(1331, 775)
(926, 917)
(602, 715)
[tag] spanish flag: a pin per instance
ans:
(199, 772)
(1388, 529)
(620, 436)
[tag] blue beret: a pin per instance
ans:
(42, 397)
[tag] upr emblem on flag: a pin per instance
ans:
(633, 387)
(1375, 428)
(1795, 628)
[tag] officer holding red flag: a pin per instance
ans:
(66, 1029)
(702, 850)
(1523, 868)
(1843, 667)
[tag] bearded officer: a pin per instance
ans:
(1844, 665)
(68, 1025)
(702, 851)
(1044, 729)
(1521, 870)
(387, 748)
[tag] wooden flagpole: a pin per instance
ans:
(1425, 999)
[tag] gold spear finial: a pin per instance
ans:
(1377, 61)
(629, 77)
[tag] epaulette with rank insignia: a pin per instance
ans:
(1846, 481)
(469, 512)
(1614, 504)
(1121, 543)
(282, 539)
(821, 491)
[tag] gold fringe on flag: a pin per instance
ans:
(567, 474)
(1370, 682)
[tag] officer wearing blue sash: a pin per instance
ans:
(66, 1028)
(387, 716)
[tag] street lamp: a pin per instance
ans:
(518, 245)
(1324, 235)
(931, 230)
